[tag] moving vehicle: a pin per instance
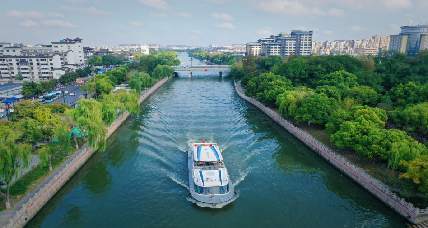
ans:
(209, 180)
(72, 94)
(49, 97)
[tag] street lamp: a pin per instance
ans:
(64, 95)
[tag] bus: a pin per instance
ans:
(49, 97)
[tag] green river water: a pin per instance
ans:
(141, 180)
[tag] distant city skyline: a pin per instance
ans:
(203, 22)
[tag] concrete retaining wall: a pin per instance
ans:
(374, 186)
(30, 205)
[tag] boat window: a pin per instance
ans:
(212, 190)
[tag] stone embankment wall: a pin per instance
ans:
(40, 196)
(374, 186)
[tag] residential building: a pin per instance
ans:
(41, 62)
(411, 40)
(352, 47)
(254, 48)
(298, 42)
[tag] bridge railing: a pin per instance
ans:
(202, 67)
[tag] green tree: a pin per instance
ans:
(88, 88)
(96, 60)
(340, 79)
(267, 87)
(268, 62)
(364, 94)
(30, 89)
(19, 77)
(249, 67)
(89, 118)
(162, 71)
(316, 108)
(14, 157)
(24, 109)
(417, 170)
(289, 101)
(47, 153)
(296, 70)
(416, 117)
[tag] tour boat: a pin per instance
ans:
(209, 181)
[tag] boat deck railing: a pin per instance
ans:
(214, 166)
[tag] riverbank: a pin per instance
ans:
(33, 202)
(378, 189)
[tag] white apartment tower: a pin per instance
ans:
(298, 42)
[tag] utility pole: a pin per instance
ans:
(95, 84)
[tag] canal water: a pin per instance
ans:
(141, 180)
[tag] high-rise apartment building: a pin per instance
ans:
(411, 40)
(298, 42)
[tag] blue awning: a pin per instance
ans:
(215, 152)
(199, 153)
(202, 178)
(7, 101)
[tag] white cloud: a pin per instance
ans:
(29, 23)
(55, 15)
(225, 25)
(186, 15)
(30, 14)
(222, 16)
(265, 32)
(134, 23)
(70, 9)
(391, 5)
(193, 37)
(90, 10)
(197, 32)
(336, 12)
(219, 1)
(158, 15)
(356, 29)
(328, 32)
(395, 28)
(57, 23)
(293, 8)
(157, 4)
(75, 1)
(409, 15)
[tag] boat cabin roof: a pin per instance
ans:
(210, 178)
(206, 153)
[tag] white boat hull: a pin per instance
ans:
(205, 200)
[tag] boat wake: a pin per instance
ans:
(242, 175)
(179, 182)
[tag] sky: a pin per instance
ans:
(201, 22)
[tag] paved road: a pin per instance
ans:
(68, 98)
(72, 100)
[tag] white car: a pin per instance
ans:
(72, 94)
